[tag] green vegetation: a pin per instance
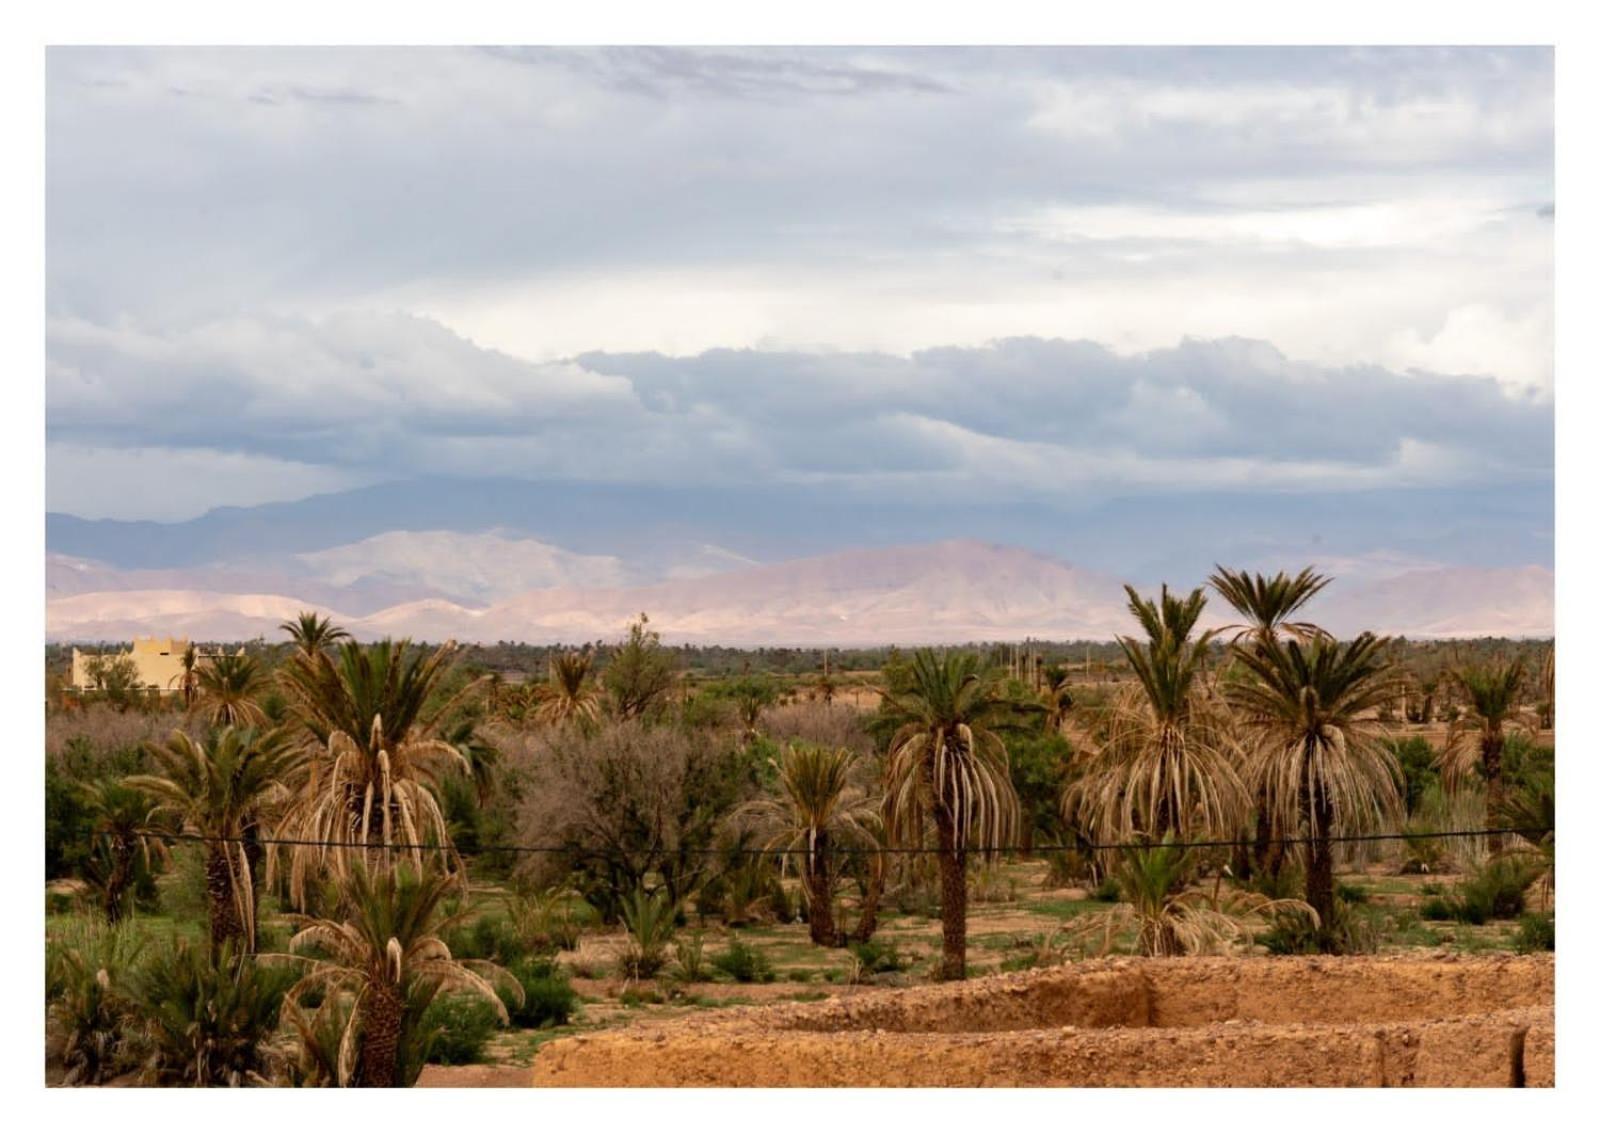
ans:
(707, 817)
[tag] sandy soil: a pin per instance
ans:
(1248, 1022)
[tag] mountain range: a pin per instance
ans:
(497, 585)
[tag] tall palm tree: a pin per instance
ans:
(189, 678)
(221, 793)
(312, 633)
(1166, 757)
(948, 763)
(387, 961)
(569, 693)
(229, 686)
(1490, 692)
(1267, 605)
(371, 778)
(818, 811)
(119, 821)
(1318, 750)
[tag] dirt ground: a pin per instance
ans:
(1260, 1021)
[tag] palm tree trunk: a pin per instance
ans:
(953, 895)
(1494, 742)
(380, 1037)
(1319, 865)
(867, 924)
(117, 882)
(819, 895)
(220, 904)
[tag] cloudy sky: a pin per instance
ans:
(996, 273)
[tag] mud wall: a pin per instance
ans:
(1202, 1022)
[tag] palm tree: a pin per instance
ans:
(1166, 757)
(119, 817)
(818, 810)
(189, 678)
(312, 633)
(371, 778)
(1057, 699)
(1547, 688)
(1318, 751)
(1531, 811)
(1267, 605)
(569, 692)
(1491, 692)
(388, 961)
(219, 794)
(229, 685)
(947, 761)
(1168, 920)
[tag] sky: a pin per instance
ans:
(1007, 274)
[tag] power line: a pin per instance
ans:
(716, 851)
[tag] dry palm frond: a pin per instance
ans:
(222, 793)
(1150, 773)
(389, 957)
(1167, 920)
(569, 694)
(371, 775)
(1166, 757)
(947, 753)
(1316, 748)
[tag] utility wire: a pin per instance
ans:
(1080, 847)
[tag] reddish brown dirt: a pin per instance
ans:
(1263, 1021)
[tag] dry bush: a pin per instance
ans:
(829, 726)
(629, 805)
(106, 731)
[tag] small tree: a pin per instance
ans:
(818, 811)
(641, 674)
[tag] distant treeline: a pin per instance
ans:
(513, 658)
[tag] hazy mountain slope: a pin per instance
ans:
(1143, 538)
(941, 592)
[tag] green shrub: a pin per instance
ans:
(209, 1021)
(1437, 908)
(1536, 932)
(1351, 894)
(691, 953)
(651, 921)
(879, 957)
(1109, 890)
(86, 969)
(461, 1026)
(744, 963)
(1494, 891)
(547, 995)
(1290, 933)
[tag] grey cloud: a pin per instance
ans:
(360, 391)
(728, 73)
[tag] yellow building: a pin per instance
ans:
(157, 660)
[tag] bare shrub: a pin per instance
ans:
(626, 807)
(824, 725)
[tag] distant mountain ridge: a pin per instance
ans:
(944, 592)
